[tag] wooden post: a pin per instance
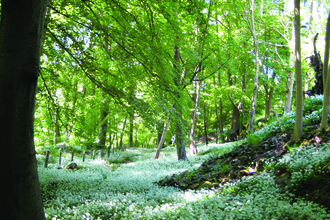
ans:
(72, 156)
(60, 160)
(84, 156)
(93, 154)
(47, 157)
(109, 152)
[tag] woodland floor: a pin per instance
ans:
(250, 158)
(261, 177)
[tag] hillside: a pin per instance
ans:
(261, 177)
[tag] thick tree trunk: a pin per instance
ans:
(20, 45)
(180, 146)
(299, 95)
(326, 77)
(193, 148)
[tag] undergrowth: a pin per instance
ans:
(99, 192)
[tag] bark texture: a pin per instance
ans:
(103, 122)
(205, 125)
(180, 146)
(288, 93)
(221, 117)
(255, 36)
(193, 148)
(235, 123)
(299, 91)
(162, 138)
(20, 47)
(326, 78)
(316, 62)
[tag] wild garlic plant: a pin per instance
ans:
(129, 192)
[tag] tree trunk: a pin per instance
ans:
(180, 146)
(216, 129)
(193, 148)
(205, 127)
(56, 126)
(241, 106)
(216, 114)
(131, 127)
(162, 139)
(235, 124)
(104, 122)
(256, 54)
(316, 62)
(290, 81)
(299, 95)
(122, 135)
(269, 96)
(289, 92)
(20, 42)
(326, 68)
(221, 113)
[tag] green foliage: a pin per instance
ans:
(305, 162)
(253, 140)
(312, 104)
(217, 150)
(128, 192)
(123, 157)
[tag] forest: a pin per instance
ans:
(147, 109)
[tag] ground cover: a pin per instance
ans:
(262, 177)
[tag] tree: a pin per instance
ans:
(249, 18)
(193, 118)
(20, 42)
(326, 78)
(299, 93)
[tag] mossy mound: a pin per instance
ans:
(244, 160)
(248, 160)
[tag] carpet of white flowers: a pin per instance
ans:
(101, 190)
